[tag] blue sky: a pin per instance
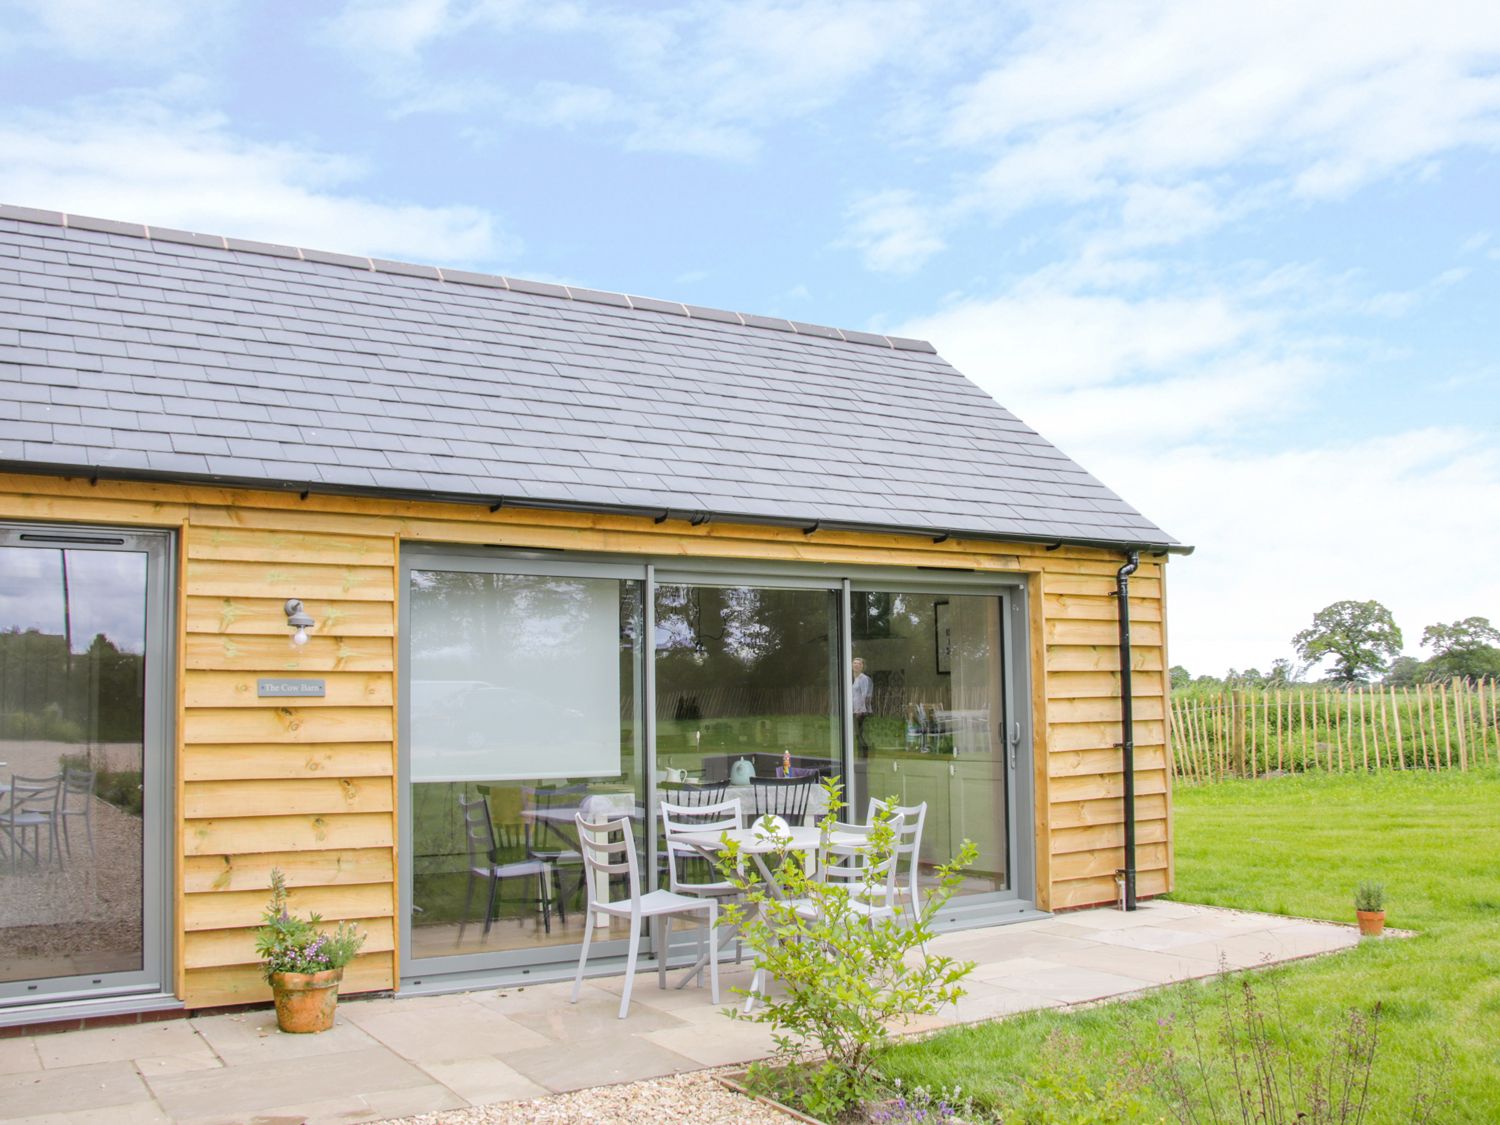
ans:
(1242, 262)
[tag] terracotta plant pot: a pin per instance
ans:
(1371, 922)
(305, 1001)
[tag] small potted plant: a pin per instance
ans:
(1369, 906)
(303, 964)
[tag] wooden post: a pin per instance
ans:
(1282, 729)
(1237, 699)
(1461, 721)
(1364, 733)
(1448, 737)
(1396, 723)
(1302, 716)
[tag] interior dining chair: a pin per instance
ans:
(685, 794)
(479, 837)
(786, 797)
(908, 847)
(609, 850)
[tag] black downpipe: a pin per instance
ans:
(1127, 720)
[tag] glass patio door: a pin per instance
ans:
(928, 704)
(82, 762)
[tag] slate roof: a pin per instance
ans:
(160, 353)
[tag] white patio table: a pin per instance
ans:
(803, 839)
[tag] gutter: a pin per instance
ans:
(1127, 719)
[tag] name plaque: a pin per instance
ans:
(290, 689)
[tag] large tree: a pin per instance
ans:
(1464, 648)
(1361, 636)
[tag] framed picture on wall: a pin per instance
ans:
(942, 625)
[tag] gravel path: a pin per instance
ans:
(692, 1099)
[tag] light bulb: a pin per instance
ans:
(299, 638)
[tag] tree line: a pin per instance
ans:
(1362, 643)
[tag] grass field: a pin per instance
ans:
(1298, 845)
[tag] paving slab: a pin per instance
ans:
(455, 1031)
(19, 1055)
(480, 1081)
(72, 1089)
(598, 1061)
(251, 1037)
(167, 1044)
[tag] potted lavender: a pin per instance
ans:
(303, 963)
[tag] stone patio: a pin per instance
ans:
(396, 1057)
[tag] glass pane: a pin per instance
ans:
(747, 688)
(72, 721)
(524, 698)
(928, 721)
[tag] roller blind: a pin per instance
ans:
(513, 677)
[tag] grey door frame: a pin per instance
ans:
(158, 862)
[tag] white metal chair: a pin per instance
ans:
(908, 846)
(77, 783)
(680, 820)
(33, 805)
(609, 849)
(479, 838)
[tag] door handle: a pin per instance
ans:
(1015, 740)
(952, 770)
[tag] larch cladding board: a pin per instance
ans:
(309, 785)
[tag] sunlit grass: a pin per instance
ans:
(1299, 845)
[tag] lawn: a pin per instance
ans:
(1298, 845)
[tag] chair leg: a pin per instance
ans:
(67, 841)
(489, 910)
(635, 949)
(583, 956)
(544, 889)
(88, 823)
(713, 952)
(468, 905)
(663, 949)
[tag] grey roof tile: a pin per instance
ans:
(204, 357)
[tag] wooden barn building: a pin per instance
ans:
(376, 573)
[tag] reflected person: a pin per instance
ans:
(862, 694)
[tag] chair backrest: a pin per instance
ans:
(605, 854)
(479, 830)
(680, 820)
(909, 839)
(687, 793)
(870, 878)
(543, 829)
(76, 780)
(786, 797)
(35, 794)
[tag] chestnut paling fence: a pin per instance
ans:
(1256, 731)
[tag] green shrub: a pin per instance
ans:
(1369, 896)
(845, 978)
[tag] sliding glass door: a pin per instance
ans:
(930, 724)
(82, 762)
(523, 695)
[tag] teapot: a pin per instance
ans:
(741, 772)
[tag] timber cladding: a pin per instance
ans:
(309, 784)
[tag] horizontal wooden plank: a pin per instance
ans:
(1096, 837)
(299, 724)
(241, 835)
(1074, 763)
(1063, 684)
(266, 617)
(1098, 586)
(1102, 736)
(1099, 890)
(1061, 631)
(1101, 658)
(240, 689)
(278, 546)
(203, 800)
(208, 949)
(1060, 711)
(1105, 861)
(1083, 607)
(247, 762)
(275, 655)
(233, 579)
(244, 984)
(1096, 786)
(1105, 810)
(302, 869)
(223, 910)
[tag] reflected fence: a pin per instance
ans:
(1254, 732)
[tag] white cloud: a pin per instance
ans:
(107, 29)
(145, 163)
(1405, 519)
(893, 232)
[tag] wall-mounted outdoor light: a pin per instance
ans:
(299, 620)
